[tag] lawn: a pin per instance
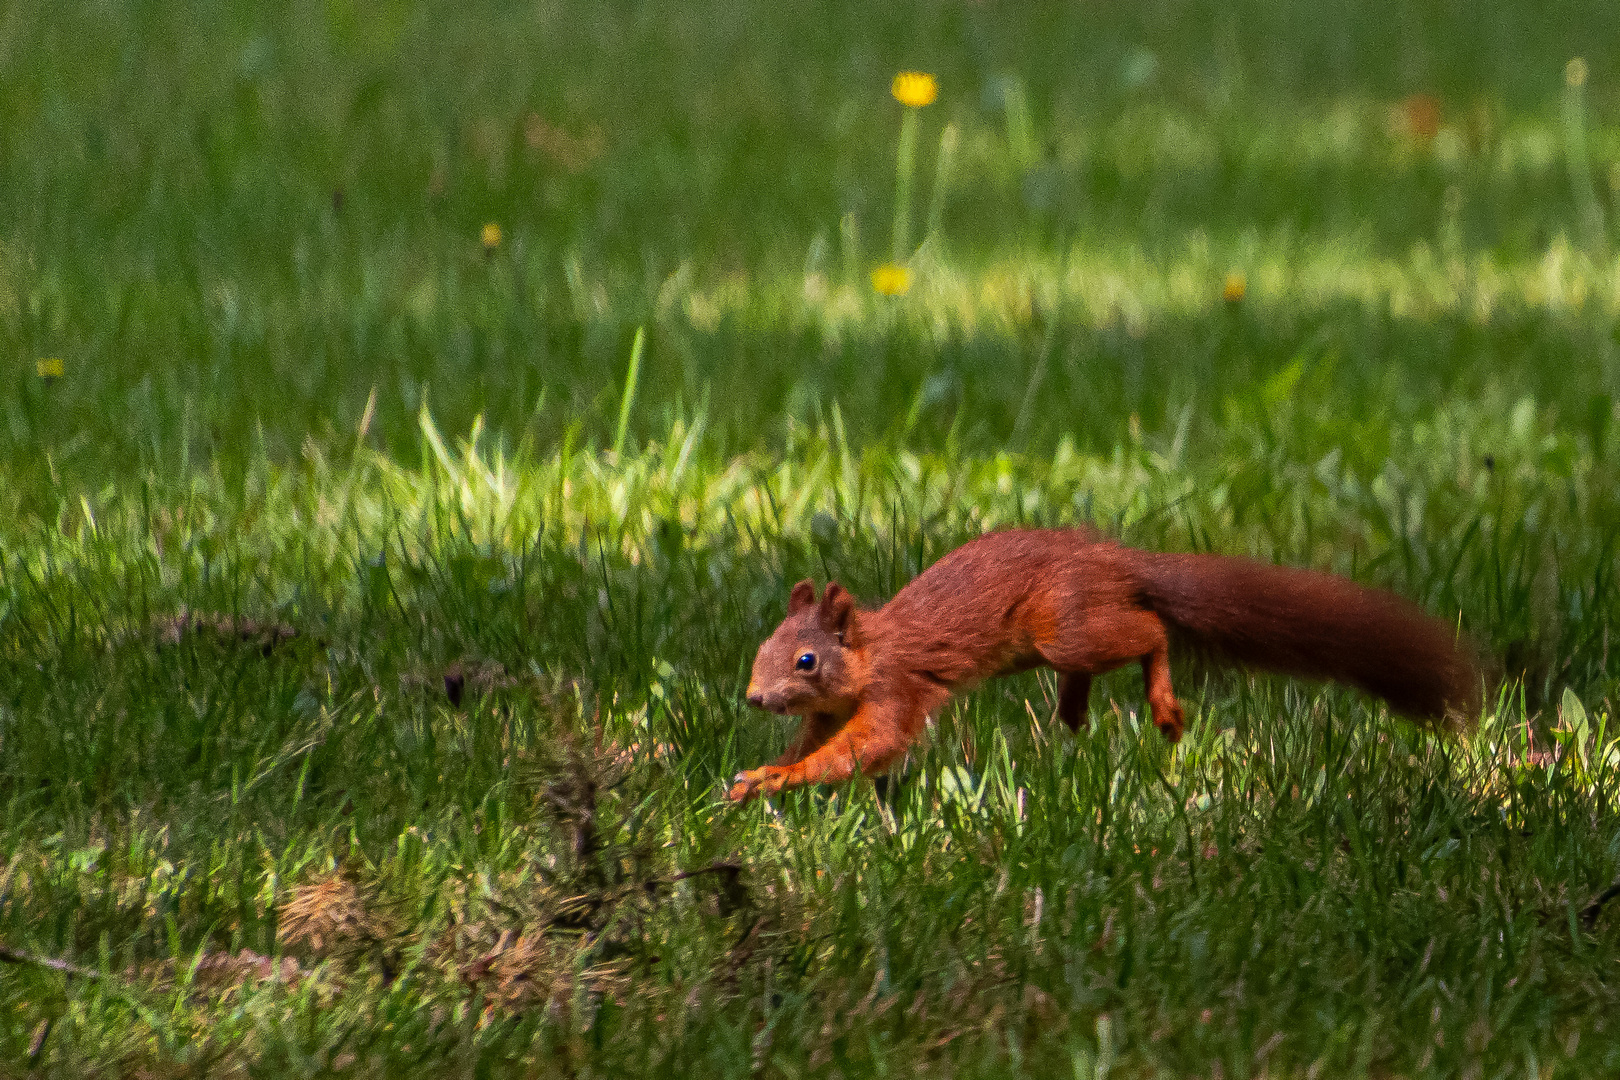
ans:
(416, 415)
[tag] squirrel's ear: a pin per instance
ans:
(837, 615)
(802, 596)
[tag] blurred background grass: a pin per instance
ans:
(234, 221)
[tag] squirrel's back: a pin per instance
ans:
(979, 610)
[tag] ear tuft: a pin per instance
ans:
(837, 614)
(802, 596)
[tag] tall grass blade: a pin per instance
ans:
(630, 379)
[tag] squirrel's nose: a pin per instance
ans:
(757, 700)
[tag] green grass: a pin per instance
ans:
(354, 612)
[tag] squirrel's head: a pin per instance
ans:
(812, 663)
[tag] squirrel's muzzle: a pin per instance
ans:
(769, 702)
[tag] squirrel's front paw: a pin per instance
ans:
(766, 780)
(742, 788)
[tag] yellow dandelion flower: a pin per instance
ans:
(1235, 288)
(49, 368)
(491, 236)
(915, 88)
(891, 279)
(1575, 72)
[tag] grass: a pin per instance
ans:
(374, 607)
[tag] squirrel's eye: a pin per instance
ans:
(807, 662)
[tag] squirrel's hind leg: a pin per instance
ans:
(1156, 674)
(1105, 638)
(1074, 690)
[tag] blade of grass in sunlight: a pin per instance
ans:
(631, 378)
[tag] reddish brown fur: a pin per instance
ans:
(1061, 598)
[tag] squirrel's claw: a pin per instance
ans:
(755, 782)
(743, 788)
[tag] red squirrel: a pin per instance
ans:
(866, 681)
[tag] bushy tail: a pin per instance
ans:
(1301, 622)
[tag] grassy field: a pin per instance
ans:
(372, 643)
